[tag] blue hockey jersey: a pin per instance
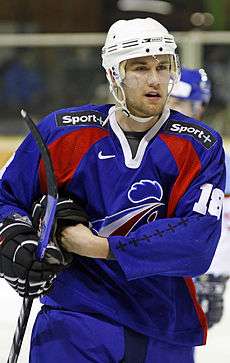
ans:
(161, 212)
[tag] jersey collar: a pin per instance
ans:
(130, 162)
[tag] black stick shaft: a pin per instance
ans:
(20, 330)
(49, 216)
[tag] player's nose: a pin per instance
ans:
(153, 78)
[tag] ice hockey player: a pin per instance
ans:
(151, 181)
(191, 96)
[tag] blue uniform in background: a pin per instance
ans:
(161, 212)
(227, 162)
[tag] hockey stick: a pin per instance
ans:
(44, 236)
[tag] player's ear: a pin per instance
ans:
(110, 76)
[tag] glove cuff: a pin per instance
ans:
(11, 227)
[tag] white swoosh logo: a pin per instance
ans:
(102, 157)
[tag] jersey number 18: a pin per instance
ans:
(214, 206)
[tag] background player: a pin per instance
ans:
(141, 172)
(191, 96)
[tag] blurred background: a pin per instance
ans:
(50, 59)
(50, 51)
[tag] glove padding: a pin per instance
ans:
(210, 291)
(68, 213)
(18, 263)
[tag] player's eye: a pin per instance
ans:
(141, 68)
(162, 67)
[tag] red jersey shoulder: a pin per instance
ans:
(70, 134)
(67, 121)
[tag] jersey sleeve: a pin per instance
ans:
(182, 244)
(19, 183)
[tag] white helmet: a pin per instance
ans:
(127, 39)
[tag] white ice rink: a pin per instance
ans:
(217, 349)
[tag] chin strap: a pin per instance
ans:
(127, 113)
(135, 118)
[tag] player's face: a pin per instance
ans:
(146, 85)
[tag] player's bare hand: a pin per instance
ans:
(80, 240)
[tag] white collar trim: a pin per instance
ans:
(129, 161)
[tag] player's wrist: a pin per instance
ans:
(79, 239)
(98, 247)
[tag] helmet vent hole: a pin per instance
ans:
(147, 50)
(160, 49)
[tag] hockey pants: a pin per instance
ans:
(61, 336)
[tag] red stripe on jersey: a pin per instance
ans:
(66, 153)
(189, 166)
(199, 311)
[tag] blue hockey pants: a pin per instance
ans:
(61, 336)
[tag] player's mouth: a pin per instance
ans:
(153, 96)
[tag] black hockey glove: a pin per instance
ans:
(18, 263)
(210, 290)
(68, 213)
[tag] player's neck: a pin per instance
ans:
(129, 124)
